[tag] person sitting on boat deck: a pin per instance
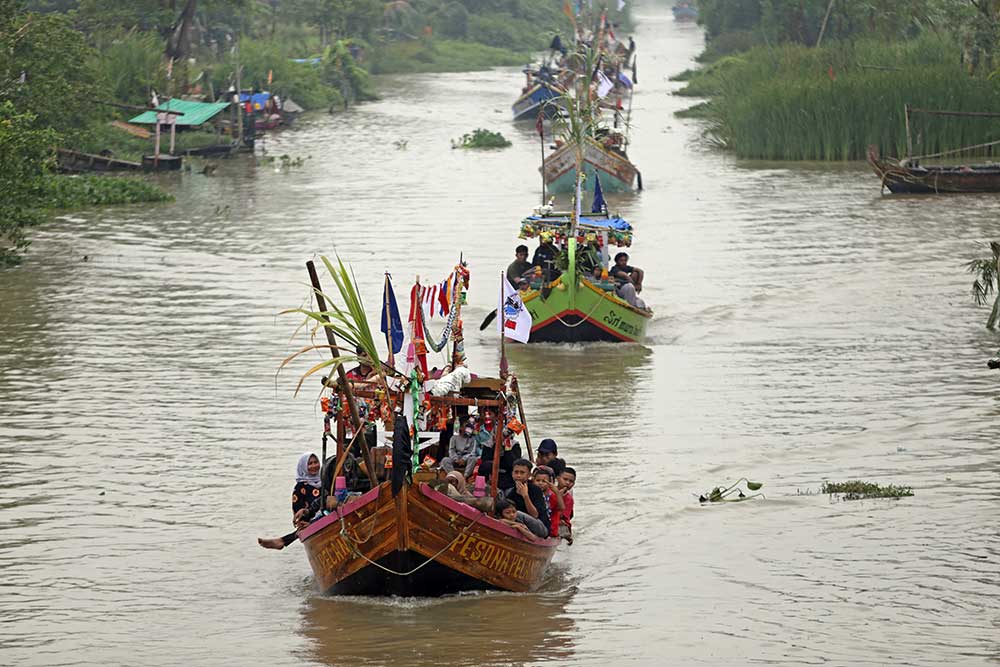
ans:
(545, 480)
(462, 450)
(589, 260)
(545, 256)
(505, 478)
(548, 455)
(629, 280)
(528, 526)
(484, 436)
(566, 482)
(305, 499)
(518, 269)
(526, 496)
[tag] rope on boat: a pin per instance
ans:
(586, 317)
(343, 532)
(956, 150)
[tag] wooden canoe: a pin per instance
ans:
(420, 543)
(905, 179)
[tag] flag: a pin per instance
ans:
(621, 5)
(625, 80)
(604, 84)
(539, 123)
(392, 324)
(567, 10)
(270, 75)
(599, 204)
(514, 320)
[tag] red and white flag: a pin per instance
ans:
(513, 319)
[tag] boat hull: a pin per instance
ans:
(589, 315)
(617, 173)
(528, 105)
(433, 544)
(933, 180)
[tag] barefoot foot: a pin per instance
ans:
(271, 543)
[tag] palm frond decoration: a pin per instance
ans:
(987, 271)
(348, 322)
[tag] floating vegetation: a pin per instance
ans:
(284, 162)
(859, 490)
(78, 191)
(480, 138)
(720, 494)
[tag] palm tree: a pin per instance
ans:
(987, 270)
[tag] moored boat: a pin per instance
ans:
(685, 11)
(540, 96)
(903, 178)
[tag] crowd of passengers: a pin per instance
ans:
(534, 499)
(626, 279)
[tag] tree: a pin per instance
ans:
(987, 270)
(25, 156)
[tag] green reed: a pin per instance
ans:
(797, 103)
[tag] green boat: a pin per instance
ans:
(587, 308)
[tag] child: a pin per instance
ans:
(508, 514)
(553, 499)
(567, 480)
(527, 496)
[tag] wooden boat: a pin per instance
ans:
(910, 177)
(585, 309)
(538, 98)
(902, 178)
(76, 161)
(402, 536)
(685, 11)
(607, 158)
(420, 543)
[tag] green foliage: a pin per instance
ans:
(340, 71)
(59, 81)
(859, 490)
(61, 191)
(25, 156)
(797, 103)
(440, 56)
(480, 138)
(302, 82)
(987, 270)
(131, 64)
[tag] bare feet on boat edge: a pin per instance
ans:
(271, 543)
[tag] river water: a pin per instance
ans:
(806, 328)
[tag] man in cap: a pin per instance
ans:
(547, 455)
(545, 256)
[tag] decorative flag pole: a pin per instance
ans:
(540, 127)
(504, 369)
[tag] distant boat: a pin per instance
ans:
(903, 178)
(608, 158)
(909, 176)
(536, 98)
(685, 11)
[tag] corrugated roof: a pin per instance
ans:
(195, 113)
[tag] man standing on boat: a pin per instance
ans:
(629, 279)
(545, 256)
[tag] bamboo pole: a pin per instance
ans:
(822, 30)
(524, 420)
(909, 137)
(344, 385)
(497, 446)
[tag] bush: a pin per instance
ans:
(480, 138)
(61, 191)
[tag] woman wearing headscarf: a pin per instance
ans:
(305, 499)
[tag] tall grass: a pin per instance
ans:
(797, 103)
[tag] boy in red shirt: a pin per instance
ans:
(542, 478)
(567, 480)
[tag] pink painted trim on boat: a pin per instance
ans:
(334, 516)
(472, 513)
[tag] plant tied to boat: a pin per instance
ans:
(987, 270)
(348, 322)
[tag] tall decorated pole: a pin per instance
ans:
(504, 369)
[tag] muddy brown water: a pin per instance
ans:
(806, 328)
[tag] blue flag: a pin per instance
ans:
(392, 325)
(599, 204)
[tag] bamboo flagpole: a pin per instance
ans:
(504, 369)
(540, 127)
